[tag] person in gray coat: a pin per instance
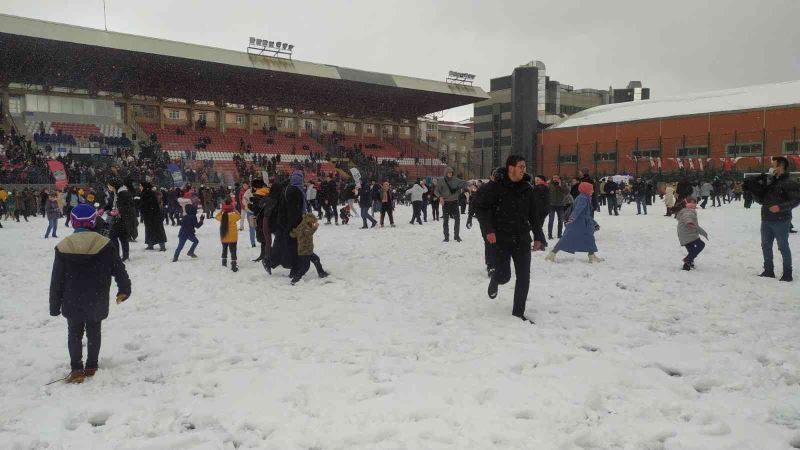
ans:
(689, 232)
(448, 188)
(705, 191)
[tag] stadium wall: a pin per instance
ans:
(739, 140)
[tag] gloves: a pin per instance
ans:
(469, 223)
(121, 297)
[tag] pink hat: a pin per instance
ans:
(586, 188)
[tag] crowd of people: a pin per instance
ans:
(282, 215)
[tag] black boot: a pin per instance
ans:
(687, 266)
(787, 276)
(768, 273)
(234, 267)
(224, 262)
(191, 255)
(162, 248)
(492, 291)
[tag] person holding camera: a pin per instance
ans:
(778, 197)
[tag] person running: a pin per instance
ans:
(579, 232)
(228, 234)
(507, 210)
(689, 231)
(189, 224)
(448, 190)
(304, 233)
(82, 269)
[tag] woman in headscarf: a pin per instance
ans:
(151, 216)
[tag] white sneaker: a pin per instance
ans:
(595, 259)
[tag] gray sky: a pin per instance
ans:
(673, 47)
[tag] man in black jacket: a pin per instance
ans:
(82, 270)
(507, 209)
(777, 199)
(330, 198)
(611, 189)
(475, 202)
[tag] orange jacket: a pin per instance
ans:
(232, 236)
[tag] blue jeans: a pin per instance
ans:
(641, 203)
(251, 228)
(52, 224)
(776, 231)
(182, 242)
(694, 248)
(365, 216)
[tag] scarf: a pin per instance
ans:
(296, 180)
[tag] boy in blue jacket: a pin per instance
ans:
(189, 224)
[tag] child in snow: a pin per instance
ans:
(344, 213)
(689, 231)
(579, 231)
(228, 233)
(84, 264)
(189, 224)
(304, 233)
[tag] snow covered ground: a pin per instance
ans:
(401, 348)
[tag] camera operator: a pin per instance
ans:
(777, 197)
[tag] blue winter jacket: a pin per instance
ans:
(189, 222)
(579, 233)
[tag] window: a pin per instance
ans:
(431, 126)
(308, 125)
(118, 113)
(202, 115)
(568, 159)
(369, 128)
(279, 122)
(15, 105)
(649, 153)
(749, 149)
(605, 156)
(290, 123)
(791, 147)
(349, 127)
(174, 114)
(240, 119)
(691, 152)
(405, 131)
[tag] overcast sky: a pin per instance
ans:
(673, 47)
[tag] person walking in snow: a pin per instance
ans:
(151, 216)
(705, 191)
(304, 233)
(228, 234)
(82, 269)
(507, 210)
(689, 231)
(189, 224)
(448, 189)
(387, 203)
(364, 203)
(579, 232)
(669, 199)
(52, 213)
(416, 192)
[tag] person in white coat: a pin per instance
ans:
(416, 192)
(669, 199)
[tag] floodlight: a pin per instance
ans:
(291, 47)
(252, 40)
(285, 45)
(271, 43)
(278, 45)
(258, 42)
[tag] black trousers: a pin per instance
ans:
(521, 254)
(450, 209)
(435, 210)
(120, 242)
(75, 331)
(489, 251)
(232, 247)
(417, 208)
(386, 209)
(304, 263)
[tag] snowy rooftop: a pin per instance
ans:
(748, 97)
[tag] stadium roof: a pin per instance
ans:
(744, 98)
(40, 52)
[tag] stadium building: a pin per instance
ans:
(90, 91)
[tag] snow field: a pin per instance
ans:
(401, 348)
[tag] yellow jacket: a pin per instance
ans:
(3, 195)
(232, 235)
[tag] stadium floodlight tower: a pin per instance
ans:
(270, 48)
(454, 77)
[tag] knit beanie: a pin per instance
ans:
(83, 216)
(586, 188)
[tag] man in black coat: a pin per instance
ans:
(330, 198)
(507, 210)
(611, 189)
(541, 195)
(81, 278)
(489, 257)
(778, 197)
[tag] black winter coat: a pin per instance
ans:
(294, 207)
(82, 270)
(541, 196)
(781, 191)
(151, 213)
(509, 210)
